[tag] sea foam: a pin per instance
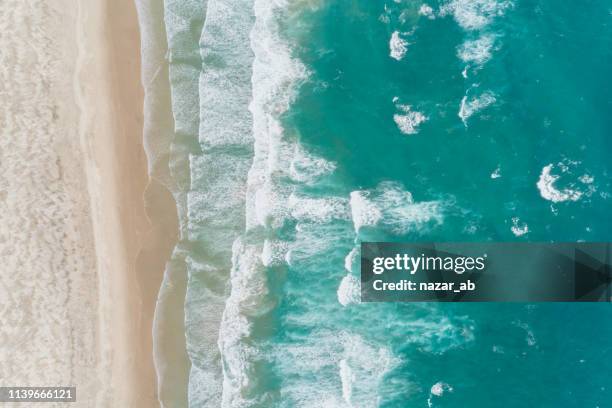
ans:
(219, 168)
(307, 168)
(475, 14)
(349, 291)
(351, 259)
(318, 210)
(519, 228)
(409, 120)
(392, 208)
(274, 252)
(397, 46)
(548, 191)
(427, 11)
(437, 334)
(471, 105)
(477, 51)
(349, 369)
(275, 75)
(437, 390)
(248, 299)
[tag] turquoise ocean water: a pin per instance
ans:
(301, 128)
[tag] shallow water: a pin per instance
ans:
(311, 126)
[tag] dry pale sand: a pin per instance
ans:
(81, 256)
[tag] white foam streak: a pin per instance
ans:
(248, 298)
(359, 367)
(519, 228)
(307, 168)
(349, 291)
(548, 191)
(318, 210)
(475, 14)
(224, 82)
(392, 208)
(477, 51)
(274, 77)
(409, 120)
(351, 258)
(427, 11)
(363, 211)
(397, 46)
(365, 365)
(437, 390)
(347, 378)
(470, 106)
(274, 252)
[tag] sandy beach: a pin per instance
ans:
(81, 259)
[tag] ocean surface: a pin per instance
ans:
(301, 128)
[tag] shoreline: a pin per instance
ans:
(132, 247)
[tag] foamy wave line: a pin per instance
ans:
(362, 368)
(351, 369)
(275, 74)
(318, 210)
(275, 77)
(349, 291)
(205, 93)
(170, 128)
(393, 209)
(248, 299)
